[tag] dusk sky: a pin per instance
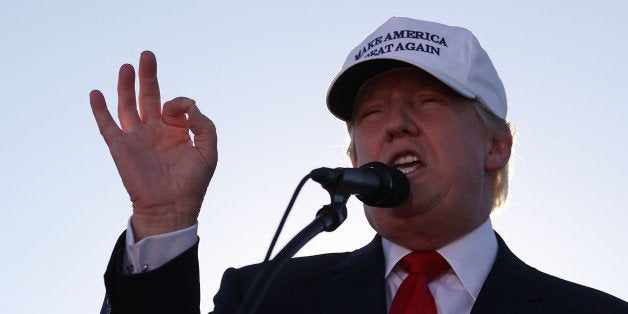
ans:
(261, 71)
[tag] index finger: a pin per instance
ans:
(149, 97)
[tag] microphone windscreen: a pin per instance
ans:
(395, 187)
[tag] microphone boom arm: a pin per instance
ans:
(328, 218)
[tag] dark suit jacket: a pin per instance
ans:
(340, 283)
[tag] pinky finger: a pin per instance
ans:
(107, 126)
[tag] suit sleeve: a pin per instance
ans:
(229, 296)
(172, 288)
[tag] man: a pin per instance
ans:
(420, 96)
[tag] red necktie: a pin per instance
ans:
(413, 296)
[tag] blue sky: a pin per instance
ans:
(261, 72)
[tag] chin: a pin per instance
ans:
(411, 207)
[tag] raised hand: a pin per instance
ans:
(165, 173)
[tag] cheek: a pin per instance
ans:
(358, 157)
(362, 151)
(368, 212)
(470, 141)
(467, 164)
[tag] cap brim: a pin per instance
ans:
(345, 86)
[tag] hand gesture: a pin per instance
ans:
(165, 172)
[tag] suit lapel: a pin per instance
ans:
(356, 284)
(511, 286)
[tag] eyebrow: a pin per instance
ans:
(362, 97)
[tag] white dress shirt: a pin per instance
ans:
(155, 251)
(471, 258)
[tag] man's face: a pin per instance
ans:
(409, 120)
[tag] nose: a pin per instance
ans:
(400, 122)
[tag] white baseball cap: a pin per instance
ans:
(451, 54)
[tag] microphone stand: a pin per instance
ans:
(328, 218)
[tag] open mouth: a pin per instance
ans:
(407, 163)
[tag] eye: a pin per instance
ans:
(429, 100)
(370, 112)
(366, 115)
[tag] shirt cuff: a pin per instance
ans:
(152, 252)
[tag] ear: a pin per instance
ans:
(499, 153)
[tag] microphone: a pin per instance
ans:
(375, 183)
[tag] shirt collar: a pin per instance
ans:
(471, 256)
